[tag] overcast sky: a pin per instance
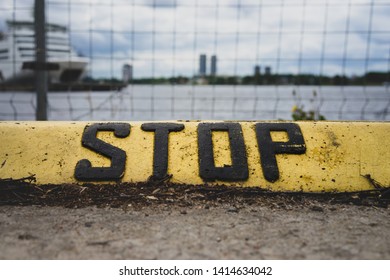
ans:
(166, 37)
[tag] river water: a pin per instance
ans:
(167, 102)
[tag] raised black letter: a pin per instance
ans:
(84, 170)
(160, 156)
(268, 148)
(238, 171)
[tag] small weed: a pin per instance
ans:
(299, 114)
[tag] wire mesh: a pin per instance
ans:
(271, 57)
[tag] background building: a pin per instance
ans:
(202, 65)
(256, 75)
(127, 73)
(213, 69)
(257, 70)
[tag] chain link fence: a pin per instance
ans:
(173, 59)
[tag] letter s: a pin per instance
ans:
(84, 170)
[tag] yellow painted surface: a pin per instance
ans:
(338, 154)
(222, 155)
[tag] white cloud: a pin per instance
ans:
(310, 35)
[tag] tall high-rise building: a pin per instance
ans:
(213, 69)
(127, 73)
(257, 75)
(267, 70)
(202, 65)
(257, 70)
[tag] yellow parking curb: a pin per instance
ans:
(279, 156)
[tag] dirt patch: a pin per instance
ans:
(159, 220)
(164, 193)
(225, 231)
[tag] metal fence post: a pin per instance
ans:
(40, 60)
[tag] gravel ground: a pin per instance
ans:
(147, 223)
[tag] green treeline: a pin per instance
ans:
(369, 79)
